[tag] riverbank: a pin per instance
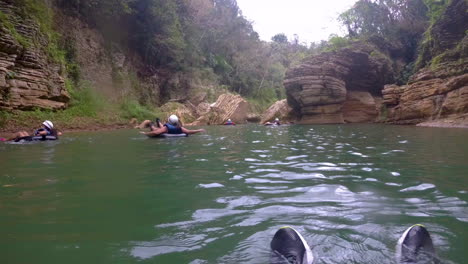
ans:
(23, 122)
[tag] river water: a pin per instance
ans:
(219, 197)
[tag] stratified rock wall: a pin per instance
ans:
(317, 89)
(28, 79)
(426, 99)
(360, 107)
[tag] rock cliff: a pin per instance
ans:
(438, 92)
(28, 78)
(347, 85)
(321, 86)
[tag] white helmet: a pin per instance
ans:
(276, 119)
(173, 119)
(229, 120)
(48, 124)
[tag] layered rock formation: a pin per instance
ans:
(228, 106)
(318, 88)
(425, 99)
(439, 91)
(279, 109)
(28, 79)
(361, 107)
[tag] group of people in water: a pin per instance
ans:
(276, 122)
(173, 126)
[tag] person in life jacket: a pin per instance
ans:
(47, 129)
(229, 123)
(173, 126)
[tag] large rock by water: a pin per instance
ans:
(228, 106)
(279, 109)
(318, 88)
(28, 79)
(427, 99)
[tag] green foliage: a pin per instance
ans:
(280, 38)
(207, 43)
(336, 42)
(436, 8)
(84, 101)
(132, 109)
(44, 17)
(10, 75)
(429, 42)
(388, 23)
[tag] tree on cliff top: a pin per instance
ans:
(400, 23)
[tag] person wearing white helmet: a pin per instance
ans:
(229, 123)
(173, 126)
(47, 130)
(276, 122)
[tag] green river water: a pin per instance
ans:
(219, 197)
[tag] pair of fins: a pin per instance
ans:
(414, 246)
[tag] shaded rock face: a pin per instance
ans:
(228, 106)
(317, 89)
(360, 107)
(445, 35)
(280, 110)
(27, 79)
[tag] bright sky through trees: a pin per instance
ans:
(312, 20)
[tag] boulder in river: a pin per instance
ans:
(228, 106)
(279, 109)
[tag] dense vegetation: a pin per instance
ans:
(396, 27)
(195, 36)
(210, 39)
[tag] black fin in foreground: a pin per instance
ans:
(289, 246)
(415, 246)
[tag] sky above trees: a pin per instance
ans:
(311, 20)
